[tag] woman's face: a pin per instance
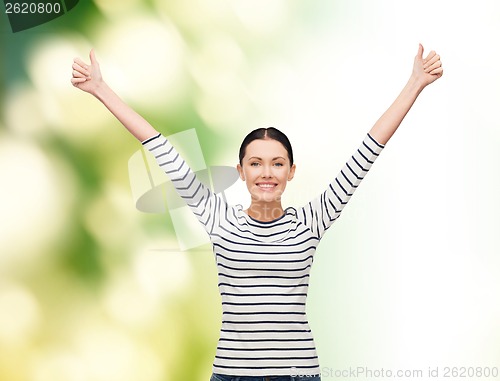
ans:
(266, 169)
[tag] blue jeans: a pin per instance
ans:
(223, 377)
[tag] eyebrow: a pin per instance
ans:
(259, 158)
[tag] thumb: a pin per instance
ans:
(420, 51)
(93, 60)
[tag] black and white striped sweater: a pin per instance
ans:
(263, 267)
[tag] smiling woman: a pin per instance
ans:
(264, 254)
(266, 165)
(264, 263)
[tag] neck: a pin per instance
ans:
(265, 211)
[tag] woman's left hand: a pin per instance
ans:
(426, 70)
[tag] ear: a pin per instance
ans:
(240, 171)
(292, 172)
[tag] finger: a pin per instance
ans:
(420, 52)
(437, 71)
(433, 60)
(432, 67)
(93, 60)
(81, 69)
(80, 62)
(77, 74)
(429, 56)
(76, 81)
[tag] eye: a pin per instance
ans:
(254, 164)
(278, 164)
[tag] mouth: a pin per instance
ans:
(267, 186)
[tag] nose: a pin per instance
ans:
(266, 171)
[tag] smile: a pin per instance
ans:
(266, 186)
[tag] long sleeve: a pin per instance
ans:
(320, 213)
(200, 199)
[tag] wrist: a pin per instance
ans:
(415, 84)
(101, 90)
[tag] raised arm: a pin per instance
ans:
(321, 212)
(425, 71)
(88, 78)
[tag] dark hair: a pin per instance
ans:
(266, 133)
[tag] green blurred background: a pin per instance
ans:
(91, 289)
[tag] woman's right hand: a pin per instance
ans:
(87, 77)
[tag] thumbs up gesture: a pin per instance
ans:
(426, 70)
(87, 78)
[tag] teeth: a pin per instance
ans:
(266, 185)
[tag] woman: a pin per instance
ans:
(264, 253)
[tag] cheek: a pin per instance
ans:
(244, 174)
(285, 175)
(247, 174)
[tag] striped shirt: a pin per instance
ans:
(263, 267)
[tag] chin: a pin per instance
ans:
(267, 196)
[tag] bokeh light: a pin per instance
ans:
(35, 187)
(19, 314)
(142, 58)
